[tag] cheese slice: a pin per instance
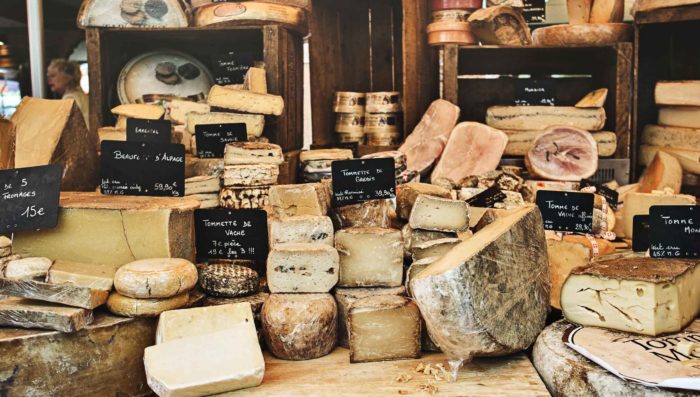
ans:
(345, 297)
(678, 93)
(69, 295)
(245, 101)
(407, 194)
(255, 80)
(241, 153)
(370, 257)
(26, 313)
(254, 122)
(302, 268)
(186, 323)
(218, 362)
(304, 229)
(663, 172)
(444, 215)
(178, 110)
(7, 144)
(661, 135)
(640, 295)
(251, 174)
(637, 203)
(27, 268)
(543, 117)
(139, 111)
(301, 199)
(88, 275)
(680, 116)
(155, 278)
(202, 184)
(520, 142)
(125, 306)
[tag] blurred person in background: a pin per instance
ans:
(64, 80)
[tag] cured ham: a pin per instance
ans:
(563, 154)
(425, 144)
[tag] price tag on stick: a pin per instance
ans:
(212, 138)
(674, 231)
(30, 198)
(355, 181)
(566, 211)
(231, 234)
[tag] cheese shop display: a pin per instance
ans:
(315, 165)
(250, 168)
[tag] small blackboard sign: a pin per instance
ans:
(566, 211)
(611, 196)
(142, 130)
(355, 181)
(674, 231)
(487, 198)
(535, 11)
(534, 92)
(231, 234)
(142, 169)
(640, 233)
(212, 138)
(231, 67)
(30, 198)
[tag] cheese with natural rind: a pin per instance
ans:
(371, 213)
(255, 80)
(416, 267)
(434, 248)
(304, 229)
(89, 275)
(407, 194)
(639, 295)
(689, 159)
(250, 13)
(345, 297)
(125, 306)
(476, 318)
(254, 123)
(245, 101)
(415, 237)
(155, 278)
(520, 142)
(178, 110)
(384, 327)
(302, 268)
(27, 268)
(184, 323)
(255, 197)
(139, 111)
(228, 281)
(501, 25)
(301, 199)
(680, 116)
(206, 200)
(240, 153)
(202, 184)
(251, 174)
(26, 313)
(594, 99)
(65, 294)
(542, 117)
(300, 326)
(662, 135)
(637, 203)
(7, 144)
(664, 172)
(440, 214)
(370, 257)
(678, 93)
(218, 362)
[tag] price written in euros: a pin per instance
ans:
(388, 193)
(32, 212)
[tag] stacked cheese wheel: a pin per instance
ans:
(383, 118)
(250, 168)
(350, 116)
(449, 25)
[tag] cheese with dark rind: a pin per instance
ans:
(155, 278)
(245, 101)
(253, 197)
(439, 214)
(370, 257)
(228, 281)
(408, 193)
(500, 25)
(65, 294)
(543, 117)
(133, 307)
(302, 268)
(425, 144)
(371, 213)
(305, 229)
(26, 313)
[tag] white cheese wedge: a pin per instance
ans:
(245, 101)
(255, 123)
(83, 274)
(680, 116)
(305, 229)
(185, 323)
(296, 268)
(434, 213)
(28, 268)
(179, 110)
(370, 257)
(345, 297)
(253, 153)
(302, 199)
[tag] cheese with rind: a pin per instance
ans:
(254, 123)
(408, 193)
(370, 257)
(125, 306)
(680, 116)
(439, 214)
(664, 172)
(520, 142)
(178, 110)
(637, 203)
(227, 280)
(241, 153)
(662, 135)
(305, 229)
(251, 174)
(543, 117)
(155, 278)
(139, 111)
(678, 93)
(301, 199)
(302, 268)
(184, 323)
(202, 184)
(26, 313)
(65, 294)
(27, 268)
(371, 213)
(89, 275)
(245, 101)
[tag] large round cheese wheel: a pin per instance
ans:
(132, 307)
(155, 278)
(300, 326)
(228, 281)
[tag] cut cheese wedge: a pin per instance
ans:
(590, 34)
(664, 172)
(89, 275)
(520, 142)
(139, 111)
(7, 144)
(689, 159)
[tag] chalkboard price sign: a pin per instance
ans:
(534, 92)
(640, 233)
(566, 211)
(611, 196)
(231, 67)
(674, 231)
(143, 169)
(142, 130)
(29, 198)
(231, 234)
(212, 138)
(487, 198)
(355, 181)
(535, 11)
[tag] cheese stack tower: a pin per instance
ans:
(204, 189)
(316, 164)
(450, 22)
(350, 116)
(250, 168)
(383, 124)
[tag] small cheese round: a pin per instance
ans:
(131, 307)
(300, 326)
(228, 281)
(155, 278)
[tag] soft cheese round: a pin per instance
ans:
(131, 307)
(228, 281)
(155, 278)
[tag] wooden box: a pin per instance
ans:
(109, 49)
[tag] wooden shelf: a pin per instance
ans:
(668, 15)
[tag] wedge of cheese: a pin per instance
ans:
(305, 229)
(255, 80)
(345, 297)
(594, 99)
(678, 93)
(408, 193)
(251, 13)
(27, 269)
(543, 117)
(637, 203)
(607, 11)
(245, 101)
(370, 257)
(179, 110)
(251, 153)
(26, 313)
(680, 116)
(689, 159)
(664, 172)
(254, 122)
(139, 111)
(134, 14)
(439, 214)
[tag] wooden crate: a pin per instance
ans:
(109, 49)
(365, 46)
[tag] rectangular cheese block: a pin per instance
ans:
(662, 135)
(434, 248)
(206, 200)
(302, 268)
(139, 111)
(301, 199)
(384, 328)
(640, 295)
(255, 80)
(680, 116)
(26, 313)
(444, 215)
(216, 363)
(253, 153)
(345, 297)
(89, 275)
(66, 294)
(305, 229)
(370, 257)
(251, 174)
(202, 184)
(254, 123)
(689, 159)
(245, 101)
(407, 194)
(639, 204)
(543, 117)
(194, 166)
(678, 93)
(255, 197)
(179, 109)
(27, 268)
(520, 142)
(126, 227)
(184, 323)
(371, 213)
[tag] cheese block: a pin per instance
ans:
(579, 11)
(25, 313)
(65, 294)
(254, 122)
(180, 109)
(195, 166)
(228, 281)
(594, 99)
(443, 215)
(563, 154)
(384, 327)
(416, 267)
(239, 153)
(689, 159)
(256, 301)
(640, 295)
(520, 142)
(345, 297)
(501, 25)
(304, 229)
(306, 268)
(568, 253)
(680, 116)
(219, 362)
(408, 193)
(474, 318)
(185, 323)
(202, 184)
(607, 11)
(125, 306)
(133, 14)
(300, 326)
(415, 237)
(245, 101)
(155, 278)
(542, 117)
(434, 248)
(425, 144)
(678, 93)
(371, 213)
(27, 268)
(370, 257)
(206, 200)
(325, 154)
(255, 80)
(637, 203)
(473, 149)
(250, 13)
(256, 197)
(302, 199)
(54, 132)
(661, 135)
(7, 144)
(251, 174)
(663, 172)
(87, 275)
(128, 227)
(139, 111)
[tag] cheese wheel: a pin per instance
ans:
(251, 13)
(130, 307)
(350, 123)
(383, 102)
(583, 34)
(300, 326)
(228, 281)
(451, 16)
(349, 102)
(378, 123)
(155, 278)
(451, 37)
(438, 5)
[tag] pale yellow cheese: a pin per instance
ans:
(202, 184)
(661, 135)
(135, 307)
(245, 101)
(255, 80)
(155, 278)
(434, 213)
(678, 93)
(27, 268)
(185, 323)
(139, 111)
(637, 203)
(83, 274)
(345, 297)
(179, 110)
(370, 257)
(680, 116)
(305, 229)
